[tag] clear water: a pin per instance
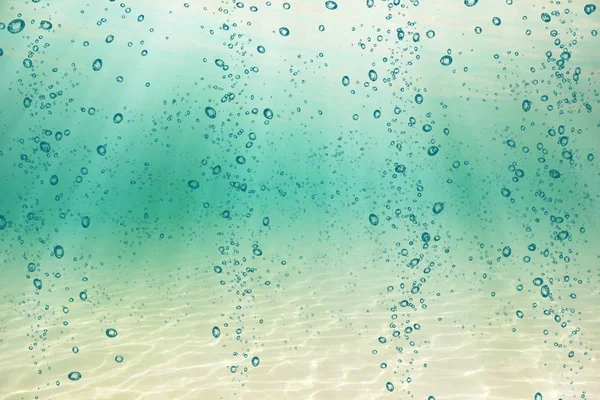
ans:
(299, 200)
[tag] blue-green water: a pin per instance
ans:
(289, 200)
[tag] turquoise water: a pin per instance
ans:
(293, 200)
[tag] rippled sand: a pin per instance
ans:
(316, 342)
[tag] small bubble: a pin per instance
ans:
(74, 376)
(373, 75)
(46, 25)
(446, 60)
(554, 174)
(545, 17)
(373, 219)
(210, 112)
(433, 150)
(16, 26)
(59, 251)
(97, 65)
(216, 332)
(331, 5)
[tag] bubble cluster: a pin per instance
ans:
(379, 196)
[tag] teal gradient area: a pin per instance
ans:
(329, 213)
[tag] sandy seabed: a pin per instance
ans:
(317, 339)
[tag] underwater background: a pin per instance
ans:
(349, 199)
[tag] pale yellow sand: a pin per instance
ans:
(316, 342)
